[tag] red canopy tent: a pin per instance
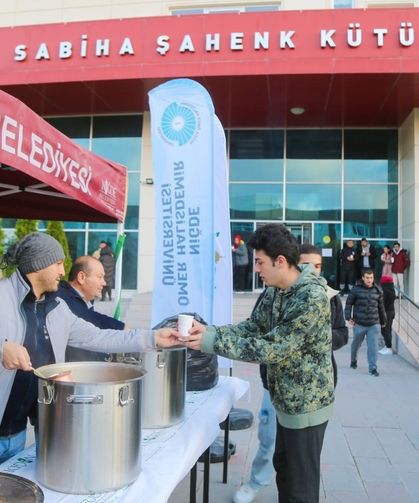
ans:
(45, 175)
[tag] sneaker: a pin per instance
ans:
(374, 373)
(385, 351)
(246, 494)
(353, 364)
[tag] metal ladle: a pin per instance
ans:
(56, 376)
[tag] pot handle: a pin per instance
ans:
(161, 360)
(48, 390)
(94, 399)
(124, 398)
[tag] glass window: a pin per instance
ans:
(118, 138)
(256, 170)
(129, 265)
(343, 4)
(256, 201)
(262, 8)
(76, 244)
(186, 12)
(371, 155)
(131, 219)
(256, 155)
(76, 128)
(370, 211)
(314, 155)
(313, 201)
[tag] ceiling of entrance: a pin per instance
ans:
(353, 100)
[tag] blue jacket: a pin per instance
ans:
(79, 307)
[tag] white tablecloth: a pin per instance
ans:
(167, 454)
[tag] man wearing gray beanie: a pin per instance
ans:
(35, 328)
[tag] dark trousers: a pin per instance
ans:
(386, 330)
(240, 277)
(107, 290)
(297, 463)
(347, 278)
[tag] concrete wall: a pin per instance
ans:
(409, 198)
(147, 234)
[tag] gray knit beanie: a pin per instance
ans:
(34, 252)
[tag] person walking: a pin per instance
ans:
(365, 312)
(35, 329)
(348, 259)
(389, 295)
(108, 261)
(400, 263)
(289, 330)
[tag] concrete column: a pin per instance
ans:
(409, 198)
(147, 232)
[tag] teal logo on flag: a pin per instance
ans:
(179, 123)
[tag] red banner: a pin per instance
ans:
(34, 147)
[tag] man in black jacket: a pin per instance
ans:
(85, 283)
(365, 312)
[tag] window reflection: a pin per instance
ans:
(313, 202)
(314, 155)
(256, 201)
(370, 210)
(370, 155)
(255, 170)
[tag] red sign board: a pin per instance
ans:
(36, 149)
(283, 42)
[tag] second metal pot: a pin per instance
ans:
(164, 388)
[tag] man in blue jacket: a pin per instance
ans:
(86, 280)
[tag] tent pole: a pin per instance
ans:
(118, 269)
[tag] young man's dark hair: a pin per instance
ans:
(275, 240)
(367, 271)
(307, 248)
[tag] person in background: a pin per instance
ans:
(86, 280)
(400, 263)
(108, 261)
(347, 267)
(387, 261)
(389, 295)
(310, 254)
(240, 263)
(289, 330)
(365, 257)
(35, 328)
(262, 471)
(365, 312)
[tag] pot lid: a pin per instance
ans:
(15, 489)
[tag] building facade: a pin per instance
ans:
(319, 101)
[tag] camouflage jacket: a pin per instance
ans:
(289, 330)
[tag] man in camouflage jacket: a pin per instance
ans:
(289, 330)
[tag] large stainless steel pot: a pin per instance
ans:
(89, 433)
(164, 387)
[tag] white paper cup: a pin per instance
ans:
(184, 323)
